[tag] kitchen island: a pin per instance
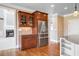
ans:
(70, 45)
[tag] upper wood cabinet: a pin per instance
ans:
(40, 15)
(37, 15)
(29, 19)
(25, 19)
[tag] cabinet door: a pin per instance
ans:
(25, 19)
(25, 43)
(76, 50)
(28, 42)
(39, 16)
(44, 17)
(22, 19)
(30, 20)
(33, 43)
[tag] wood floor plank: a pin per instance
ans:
(42, 51)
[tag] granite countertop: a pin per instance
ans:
(73, 38)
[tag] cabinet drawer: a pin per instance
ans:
(27, 36)
(67, 46)
(67, 43)
(67, 52)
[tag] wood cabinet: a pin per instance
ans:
(37, 15)
(29, 19)
(40, 22)
(25, 19)
(40, 15)
(28, 41)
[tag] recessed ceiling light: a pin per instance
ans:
(52, 6)
(65, 8)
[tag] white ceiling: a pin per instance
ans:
(58, 7)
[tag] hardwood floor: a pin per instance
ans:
(42, 51)
(51, 50)
(54, 49)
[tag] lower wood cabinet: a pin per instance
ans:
(28, 41)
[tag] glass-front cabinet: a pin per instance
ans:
(25, 19)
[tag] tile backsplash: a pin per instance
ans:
(25, 30)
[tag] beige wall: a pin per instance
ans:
(60, 23)
(71, 25)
